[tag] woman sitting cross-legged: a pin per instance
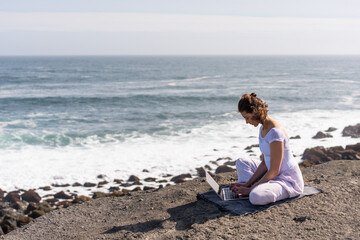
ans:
(277, 176)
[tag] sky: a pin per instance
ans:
(179, 27)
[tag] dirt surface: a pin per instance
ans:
(174, 213)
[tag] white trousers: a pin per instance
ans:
(264, 193)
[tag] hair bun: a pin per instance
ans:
(253, 94)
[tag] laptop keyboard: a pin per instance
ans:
(228, 194)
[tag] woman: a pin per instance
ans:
(277, 176)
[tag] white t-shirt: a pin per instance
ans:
(277, 134)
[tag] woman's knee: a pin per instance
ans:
(259, 197)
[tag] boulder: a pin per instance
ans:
(61, 185)
(36, 213)
(77, 184)
(331, 129)
(150, 179)
(114, 188)
(31, 196)
(249, 147)
(118, 181)
(102, 183)
(322, 135)
(133, 178)
(81, 199)
(355, 147)
(224, 169)
(45, 206)
(12, 197)
(180, 178)
(319, 155)
(352, 131)
(46, 188)
(20, 205)
(1, 194)
(89, 184)
(200, 172)
(23, 220)
(31, 207)
(62, 195)
(99, 195)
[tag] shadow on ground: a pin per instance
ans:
(184, 216)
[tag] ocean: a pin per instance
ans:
(69, 119)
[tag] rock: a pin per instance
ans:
(162, 181)
(20, 205)
(230, 163)
(319, 155)
(1, 194)
(61, 185)
(352, 131)
(180, 178)
(1, 231)
(126, 184)
(118, 181)
(77, 184)
(114, 188)
(23, 220)
(148, 188)
(89, 184)
(200, 172)
(8, 224)
(133, 178)
(36, 213)
(136, 189)
(150, 179)
(45, 206)
(249, 147)
(101, 176)
(31, 207)
(296, 137)
(224, 169)
(224, 158)
(145, 170)
(102, 183)
(316, 155)
(331, 129)
(31, 196)
(12, 197)
(65, 204)
(81, 199)
(99, 195)
(355, 147)
(52, 201)
(62, 195)
(46, 188)
(322, 135)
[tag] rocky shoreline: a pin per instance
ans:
(20, 207)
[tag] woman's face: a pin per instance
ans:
(249, 118)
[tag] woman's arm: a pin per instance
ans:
(276, 155)
(260, 171)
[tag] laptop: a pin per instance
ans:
(223, 192)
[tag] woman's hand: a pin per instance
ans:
(245, 191)
(236, 185)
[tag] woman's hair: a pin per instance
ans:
(251, 104)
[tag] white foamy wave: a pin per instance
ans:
(35, 166)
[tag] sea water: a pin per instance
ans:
(69, 119)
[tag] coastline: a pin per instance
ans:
(174, 212)
(132, 187)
